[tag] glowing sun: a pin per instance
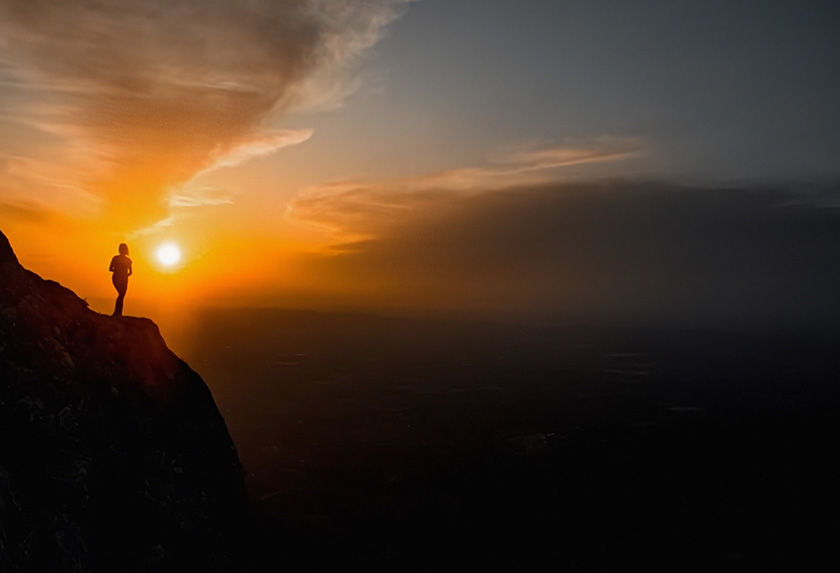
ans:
(168, 254)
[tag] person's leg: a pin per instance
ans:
(121, 288)
(119, 304)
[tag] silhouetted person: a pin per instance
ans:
(121, 267)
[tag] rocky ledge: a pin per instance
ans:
(113, 454)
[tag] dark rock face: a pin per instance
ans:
(113, 455)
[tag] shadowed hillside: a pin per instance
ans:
(113, 455)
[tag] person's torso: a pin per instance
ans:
(121, 264)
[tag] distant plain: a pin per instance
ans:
(410, 442)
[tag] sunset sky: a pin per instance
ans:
(648, 158)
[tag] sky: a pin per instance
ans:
(541, 158)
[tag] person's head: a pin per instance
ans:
(123, 249)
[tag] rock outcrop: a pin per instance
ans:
(113, 455)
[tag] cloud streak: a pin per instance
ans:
(601, 150)
(357, 209)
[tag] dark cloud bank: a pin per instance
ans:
(618, 251)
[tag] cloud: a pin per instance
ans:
(194, 193)
(354, 209)
(161, 89)
(600, 150)
(610, 250)
(259, 145)
(59, 185)
(27, 212)
(154, 228)
(197, 197)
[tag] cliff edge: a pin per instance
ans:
(113, 455)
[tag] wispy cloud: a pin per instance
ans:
(194, 193)
(154, 228)
(258, 145)
(355, 209)
(533, 157)
(59, 183)
(198, 196)
(155, 101)
(27, 212)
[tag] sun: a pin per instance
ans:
(168, 254)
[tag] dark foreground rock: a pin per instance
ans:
(113, 455)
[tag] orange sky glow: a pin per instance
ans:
(328, 154)
(191, 145)
(129, 131)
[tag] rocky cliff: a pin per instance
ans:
(113, 455)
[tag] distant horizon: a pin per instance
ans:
(611, 252)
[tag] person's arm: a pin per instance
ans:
(111, 268)
(130, 270)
